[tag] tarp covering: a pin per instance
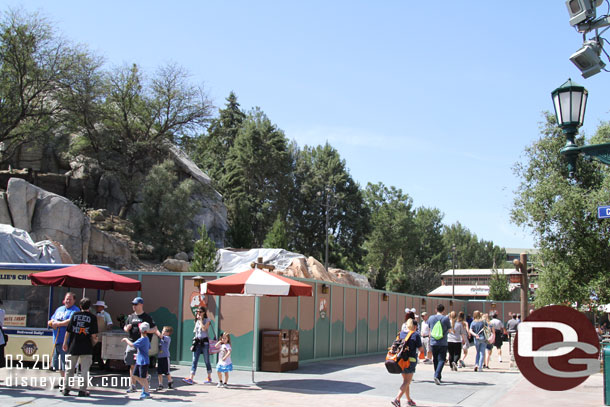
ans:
(235, 262)
(16, 246)
(257, 282)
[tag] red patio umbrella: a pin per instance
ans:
(85, 276)
(256, 282)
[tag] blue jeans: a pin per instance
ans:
(439, 354)
(480, 346)
(59, 358)
(202, 347)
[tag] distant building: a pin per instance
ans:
(473, 283)
(515, 253)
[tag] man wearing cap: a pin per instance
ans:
(104, 323)
(132, 328)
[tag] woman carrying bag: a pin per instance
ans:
(201, 344)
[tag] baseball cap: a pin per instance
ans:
(144, 327)
(138, 300)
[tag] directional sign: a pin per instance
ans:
(603, 212)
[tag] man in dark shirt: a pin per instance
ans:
(81, 335)
(133, 329)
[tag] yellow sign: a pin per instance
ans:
(14, 277)
(15, 320)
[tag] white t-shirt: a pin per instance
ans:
(224, 349)
(425, 328)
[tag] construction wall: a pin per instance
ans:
(337, 321)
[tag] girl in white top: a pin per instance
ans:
(224, 359)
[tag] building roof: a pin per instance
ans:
(481, 290)
(479, 272)
(517, 251)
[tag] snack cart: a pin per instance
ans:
(28, 308)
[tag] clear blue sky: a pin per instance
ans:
(436, 98)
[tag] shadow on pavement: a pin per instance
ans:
(315, 385)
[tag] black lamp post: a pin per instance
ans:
(570, 102)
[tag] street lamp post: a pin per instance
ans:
(453, 273)
(570, 102)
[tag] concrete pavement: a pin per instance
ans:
(359, 381)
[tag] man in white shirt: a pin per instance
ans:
(425, 336)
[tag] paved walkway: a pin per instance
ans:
(346, 382)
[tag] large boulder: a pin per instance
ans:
(298, 268)
(49, 216)
(318, 271)
(5, 215)
(176, 265)
(104, 248)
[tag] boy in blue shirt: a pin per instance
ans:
(163, 357)
(140, 371)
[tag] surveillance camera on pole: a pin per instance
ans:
(588, 59)
(582, 10)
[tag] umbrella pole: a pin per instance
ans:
(253, 339)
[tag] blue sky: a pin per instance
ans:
(438, 99)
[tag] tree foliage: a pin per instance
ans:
(36, 68)
(396, 279)
(470, 252)
(165, 211)
(127, 121)
(205, 259)
(322, 183)
(277, 236)
(562, 213)
(498, 287)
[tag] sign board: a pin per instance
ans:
(603, 212)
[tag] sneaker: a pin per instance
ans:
(170, 385)
(453, 366)
(131, 389)
(188, 381)
(411, 403)
(462, 364)
(219, 384)
(395, 403)
(500, 359)
(160, 387)
(66, 392)
(437, 381)
(208, 381)
(145, 395)
(476, 368)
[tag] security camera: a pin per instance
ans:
(582, 10)
(587, 59)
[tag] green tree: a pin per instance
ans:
(562, 213)
(392, 234)
(277, 236)
(257, 175)
(470, 251)
(205, 259)
(165, 211)
(127, 121)
(212, 150)
(498, 287)
(396, 279)
(322, 183)
(430, 251)
(36, 67)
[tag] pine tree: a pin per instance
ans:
(277, 236)
(396, 279)
(205, 258)
(498, 287)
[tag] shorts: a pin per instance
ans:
(130, 356)
(489, 346)
(498, 341)
(411, 368)
(224, 368)
(163, 366)
(141, 371)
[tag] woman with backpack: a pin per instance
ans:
(413, 344)
(477, 330)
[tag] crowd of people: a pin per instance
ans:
(442, 339)
(75, 336)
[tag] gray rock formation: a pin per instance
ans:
(5, 215)
(176, 265)
(106, 249)
(49, 216)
